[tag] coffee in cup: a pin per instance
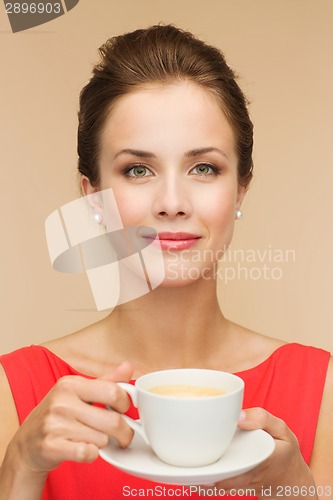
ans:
(187, 416)
(186, 391)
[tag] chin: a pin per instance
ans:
(183, 278)
(176, 283)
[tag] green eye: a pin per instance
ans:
(205, 169)
(138, 171)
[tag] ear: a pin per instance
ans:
(86, 186)
(93, 197)
(240, 195)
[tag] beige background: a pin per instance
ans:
(283, 51)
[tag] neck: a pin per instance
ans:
(169, 327)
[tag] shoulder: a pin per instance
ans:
(31, 373)
(33, 360)
(84, 350)
(322, 456)
(303, 365)
(261, 347)
(254, 349)
(9, 422)
(328, 391)
(250, 349)
(313, 360)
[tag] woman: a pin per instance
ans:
(163, 124)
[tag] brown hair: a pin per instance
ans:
(159, 54)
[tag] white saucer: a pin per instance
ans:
(247, 449)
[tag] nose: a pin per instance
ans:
(172, 200)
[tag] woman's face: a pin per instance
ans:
(169, 155)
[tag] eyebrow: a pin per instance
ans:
(190, 154)
(135, 152)
(200, 151)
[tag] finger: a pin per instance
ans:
(258, 418)
(240, 482)
(78, 452)
(59, 450)
(92, 391)
(86, 452)
(81, 433)
(107, 423)
(121, 373)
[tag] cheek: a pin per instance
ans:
(220, 220)
(132, 207)
(218, 210)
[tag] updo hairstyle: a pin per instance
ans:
(159, 55)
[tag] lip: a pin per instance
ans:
(174, 240)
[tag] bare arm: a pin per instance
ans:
(64, 426)
(9, 422)
(285, 474)
(322, 456)
(13, 483)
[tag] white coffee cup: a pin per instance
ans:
(187, 430)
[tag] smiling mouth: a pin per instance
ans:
(174, 241)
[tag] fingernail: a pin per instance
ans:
(242, 416)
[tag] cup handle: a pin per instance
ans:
(134, 424)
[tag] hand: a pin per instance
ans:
(284, 468)
(66, 426)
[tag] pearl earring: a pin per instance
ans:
(97, 218)
(239, 214)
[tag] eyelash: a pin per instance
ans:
(214, 170)
(127, 171)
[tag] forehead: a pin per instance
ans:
(177, 116)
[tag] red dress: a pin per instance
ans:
(289, 384)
